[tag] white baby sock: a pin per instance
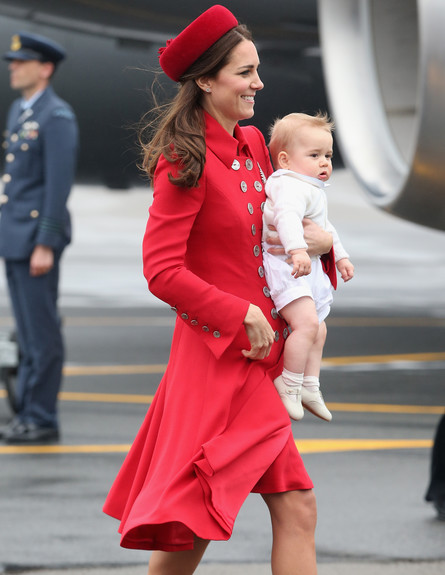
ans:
(311, 383)
(292, 379)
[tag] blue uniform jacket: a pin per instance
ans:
(41, 153)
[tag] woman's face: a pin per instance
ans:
(232, 92)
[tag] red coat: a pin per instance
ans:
(216, 429)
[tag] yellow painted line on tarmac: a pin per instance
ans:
(62, 449)
(82, 370)
(386, 408)
(349, 407)
(333, 321)
(159, 368)
(105, 397)
(108, 321)
(129, 321)
(330, 445)
(304, 446)
(150, 321)
(354, 359)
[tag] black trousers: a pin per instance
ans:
(34, 302)
(436, 488)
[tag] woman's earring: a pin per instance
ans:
(208, 90)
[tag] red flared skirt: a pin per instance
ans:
(215, 432)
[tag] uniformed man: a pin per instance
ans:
(41, 142)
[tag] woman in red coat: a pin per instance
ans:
(217, 429)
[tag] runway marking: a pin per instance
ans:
(384, 359)
(304, 446)
(350, 407)
(84, 370)
(330, 445)
(385, 321)
(120, 321)
(386, 408)
(63, 449)
(108, 321)
(105, 397)
(81, 370)
(169, 321)
(353, 407)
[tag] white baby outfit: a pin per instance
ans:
(290, 198)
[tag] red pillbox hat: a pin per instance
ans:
(181, 52)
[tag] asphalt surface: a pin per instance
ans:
(383, 377)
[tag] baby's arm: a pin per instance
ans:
(346, 269)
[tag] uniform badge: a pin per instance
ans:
(29, 131)
(15, 43)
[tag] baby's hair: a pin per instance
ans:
(282, 131)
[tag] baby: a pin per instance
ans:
(301, 149)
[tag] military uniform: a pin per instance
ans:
(40, 145)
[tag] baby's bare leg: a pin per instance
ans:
(301, 316)
(313, 364)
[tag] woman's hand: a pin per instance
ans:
(259, 332)
(319, 241)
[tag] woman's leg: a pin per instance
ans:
(294, 516)
(177, 562)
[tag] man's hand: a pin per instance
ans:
(346, 269)
(301, 263)
(42, 261)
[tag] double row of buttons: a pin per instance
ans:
(256, 248)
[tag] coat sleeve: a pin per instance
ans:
(215, 315)
(59, 155)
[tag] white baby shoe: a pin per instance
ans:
(313, 401)
(291, 397)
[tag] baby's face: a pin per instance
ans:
(311, 154)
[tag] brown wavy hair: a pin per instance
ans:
(177, 130)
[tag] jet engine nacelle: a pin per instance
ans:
(384, 66)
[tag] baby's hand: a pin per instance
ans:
(346, 269)
(301, 263)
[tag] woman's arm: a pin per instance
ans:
(216, 316)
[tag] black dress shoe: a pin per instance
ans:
(27, 433)
(10, 427)
(439, 504)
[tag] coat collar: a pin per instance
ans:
(222, 144)
(27, 114)
(44, 96)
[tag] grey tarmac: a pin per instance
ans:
(372, 517)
